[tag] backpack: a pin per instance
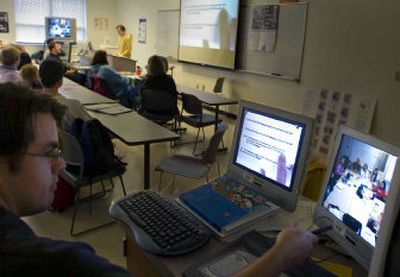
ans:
(97, 147)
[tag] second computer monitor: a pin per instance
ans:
(270, 151)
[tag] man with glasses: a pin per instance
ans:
(30, 161)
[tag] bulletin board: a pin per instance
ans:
(285, 57)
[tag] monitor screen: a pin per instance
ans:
(207, 33)
(356, 191)
(60, 28)
(269, 146)
(359, 186)
(270, 150)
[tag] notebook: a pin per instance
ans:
(226, 204)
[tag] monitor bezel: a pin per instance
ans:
(355, 245)
(73, 29)
(284, 198)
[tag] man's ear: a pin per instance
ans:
(60, 83)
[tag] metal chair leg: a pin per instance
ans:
(197, 140)
(159, 181)
(76, 204)
(90, 198)
(122, 184)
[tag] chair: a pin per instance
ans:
(74, 175)
(101, 87)
(195, 118)
(190, 166)
(159, 106)
(352, 223)
(219, 84)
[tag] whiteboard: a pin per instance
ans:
(285, 59)
(167, 33)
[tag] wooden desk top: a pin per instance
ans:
(207, 98)
(134, 129)
(73, 90)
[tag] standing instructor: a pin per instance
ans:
(124, 42)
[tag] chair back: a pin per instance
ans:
(72, 151)
(219, 84)
(210, 153)
(191, 104)
(158, 101)
(101, 87)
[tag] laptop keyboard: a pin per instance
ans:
(159, 224)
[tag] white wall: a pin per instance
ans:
(8, 6)
(94, 8)
(351, 46)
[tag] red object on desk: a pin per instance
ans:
(138, 71)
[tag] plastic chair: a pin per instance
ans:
(190, 166)
(314, 180)
(219, 84)
(195, 118)
(74, 175)
(159, 106)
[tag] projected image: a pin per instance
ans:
(210, 24)
(59, 28)
(208, 31)
(359, 185)
(269, 147)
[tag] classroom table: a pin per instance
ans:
(72, 90)
(143, 263)
(210, 99)
(134, 129)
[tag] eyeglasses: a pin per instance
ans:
(53, 153)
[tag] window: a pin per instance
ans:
(30, 15)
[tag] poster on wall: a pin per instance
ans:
(332, 108)
(4, 22)
(264, 25)
(142, 30)
(100, 23)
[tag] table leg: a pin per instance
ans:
(146, 166)
(223, 149)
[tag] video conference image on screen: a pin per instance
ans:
(358, 186)
(59, 28)
(269, 147)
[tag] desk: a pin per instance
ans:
(73, 90)
(210, 99)
(134, 129)
(142, 263)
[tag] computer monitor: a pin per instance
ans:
(359, 192)
(270, 150)
(60, 29)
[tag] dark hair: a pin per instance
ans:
(18, 107)
(51, 45)
(155, 66)
(121, 27)
(24, 59)
(359, 191)
(99, 57)
(51, 72)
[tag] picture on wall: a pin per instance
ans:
(4, 22)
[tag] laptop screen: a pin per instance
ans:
(358, 186)
(269, 146)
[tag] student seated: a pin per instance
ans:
(55, 55)
(9, 58)
(30, 76)
(51, 74)
(157, 78)
(24, 57)
(118, 84)
(30, 161)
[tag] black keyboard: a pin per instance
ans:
(159, 224)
